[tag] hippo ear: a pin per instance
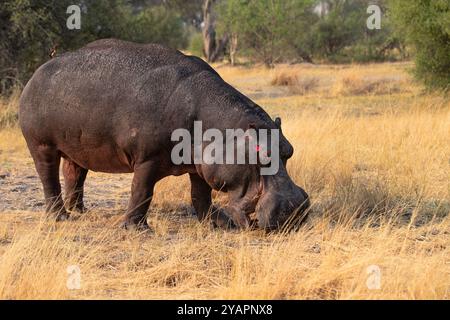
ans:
(278, 122)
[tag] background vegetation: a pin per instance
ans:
(241, 31)
(426, 26)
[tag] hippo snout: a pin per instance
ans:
(276, 208)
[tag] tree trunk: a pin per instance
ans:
(212, 49)
(233, 48)
(209, 33)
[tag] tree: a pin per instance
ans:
(426, 26)
(156, 25)
(339, 28)
(213, 48)
(340, 34)
(30, 28)
(263, 27)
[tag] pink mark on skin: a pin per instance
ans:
(258, 149)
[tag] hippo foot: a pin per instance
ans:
(221, 220)
(62, 216)
(132, 226)
(77, 209)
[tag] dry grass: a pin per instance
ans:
(352, 85)
(340, 80)
(8, 110)
(377, 168)
(296, 84)
(284, 79)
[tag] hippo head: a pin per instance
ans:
(260, 194)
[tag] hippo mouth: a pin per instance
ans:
(280, 208)
(295, 220)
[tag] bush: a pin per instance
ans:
(30, 28)
(196, 44)
(156, 25)
(342, 35)
(264, 28)
(293, 30)
(426, 25)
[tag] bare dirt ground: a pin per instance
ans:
(371, 149)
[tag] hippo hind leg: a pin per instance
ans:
(201, 201)
(74, 177)
(47, 159)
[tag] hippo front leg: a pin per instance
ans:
(144, 181)
(201, 201)
(239, 217)
(240, 207)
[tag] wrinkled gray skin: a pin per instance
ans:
(112, 106)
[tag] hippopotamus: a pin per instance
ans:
(111, 107)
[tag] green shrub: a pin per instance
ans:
(426, 25)
(30, 28)
(196, 44)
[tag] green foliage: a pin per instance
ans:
(277, 30)
(267, 31)
(426, 25)
(30, 28)
(157, 25)
(263, 26)
(342, 34)
(196, 44)
(340, 28)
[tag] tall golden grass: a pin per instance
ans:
(377, 169)
(8, 110)
(342, 81)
